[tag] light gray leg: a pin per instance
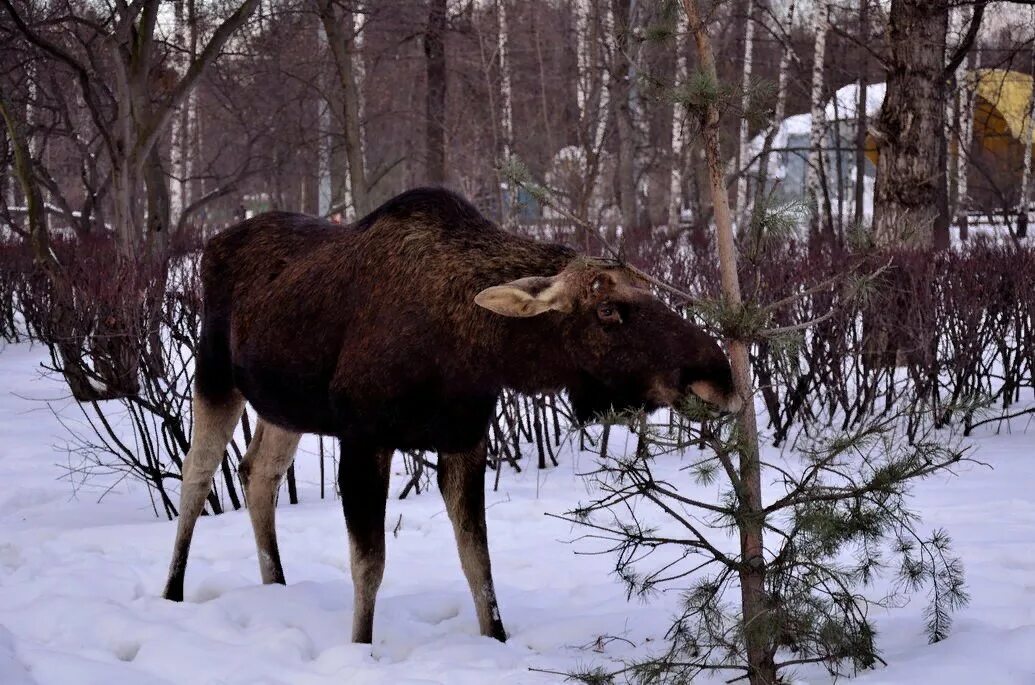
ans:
(268, 458)
(461, 479)
(213, 427)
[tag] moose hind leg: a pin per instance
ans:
(268, 458)
(461, 480)
(214, 424)
(363, 481)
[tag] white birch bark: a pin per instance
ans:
(742, 156)
(1029, 129)
(356, 21)
(967, 101)
(324, 195)
(590, 44)
(953, 130)
(675, 198)
(180, 148)
(812, 170)
(502, 47)
(604, 107)
(191, 134)
(583, 62)
(32, 141)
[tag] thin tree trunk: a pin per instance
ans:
(537, 39)
(1023, 207)
(745, 102)
(502, 46)
(861, 118)
(968, 96)
(340, 30)
(181, 137)
(192, 144)
(36, 215)
(622, 95)
(325, 157)
(592, 40)
(750, 520)
(813, 172)
(507, 114)
(159, 208)
(435, 54)
(675, 197)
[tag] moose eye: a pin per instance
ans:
(608, 313)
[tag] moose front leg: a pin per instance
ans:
(461, 480)
(363, 481)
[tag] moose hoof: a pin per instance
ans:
(173, 591)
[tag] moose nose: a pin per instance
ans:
(733, 404)
(726, 400)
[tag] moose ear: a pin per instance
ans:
(526, 297)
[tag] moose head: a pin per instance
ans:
(626, 349)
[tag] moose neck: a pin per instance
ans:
(526, 354)
(531, 354)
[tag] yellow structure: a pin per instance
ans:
(1000, 113)
(1003, 108)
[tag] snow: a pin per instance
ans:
(81, 577)
(845, 102)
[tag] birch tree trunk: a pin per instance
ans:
(179, 196)
(502, 46)
(745, 102)
(750, 519)
(324, 142)
(506, 115)
(1029, 127)
(675, 196)
(861, 117)
(605, 43)
(195, 187)
(814, 170)
(583, 57)
(966, 126)
(953, 108)
(593, 38)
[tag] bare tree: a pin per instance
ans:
(338, 19)
(132, 110)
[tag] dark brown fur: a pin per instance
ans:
(371, 333)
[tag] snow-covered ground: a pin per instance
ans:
(81, 575)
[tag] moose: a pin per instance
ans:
(399, 332)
